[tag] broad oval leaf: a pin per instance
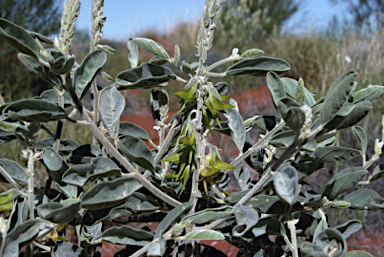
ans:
(371, 94)
(34, 110)
(203, 234)
(378, 172)
(251, 53)
(147, 75)
(258, 66)
(85, 74)
(83, 154)
(336, 153)
(126, 235)
(236, 125)
(343, 181)
(60, 213)
(39, 69)
(358, 254)
(109, 193)
(295, 118)
(349, 116)
(19, 38)
(55, 165)
(51, 96)
(151, 46)
(133, 55)
(66, 249)
(295, 89)
(111, 106)
(270, 226)
(136, 150)
(14, 170)
(331, 237)
(172, 217)
(275, 87)
(246, 218)
(361, 137)
(286, 183)
(131, 129)
(336, 97)
(208, 215)
(349, 228)
(99, 167)
(365, 199)
(23, 234)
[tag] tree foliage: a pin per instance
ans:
(182, 181)
(41, 16)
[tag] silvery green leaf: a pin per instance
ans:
(208, 215)
(343, 181)
(269, 225)
(330, 237)
(300, 92)
(109, 193)
(172, 217)
(99, 167)
(83, 154)
(378, 172)
(34, 110)
(50, 95)
(14, 170)
(131, 129)
(126, 235)
(203, 234)
(106, 76)
(111, 106)
(19, 38)
(286, 183)
(275, 87)
(55, 165)
(86, 73)
(65, 249)
(136, 150)
(349, 228)
(133, 55)
(246, 218)
(176, 56)
(365, 199)
(236, 125)
(361, 137)
(295, 118)
(252, 53)
(242, 176)
(336, 153)
(258, 66)
(371, 94)
(60, 213)
(358, 254)
(21, 235)
(147, 75)
(151, 46)
(337, 96)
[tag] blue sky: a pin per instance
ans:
(126, 18)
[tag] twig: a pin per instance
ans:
(31, 180)
(167, 142)
(292, 228)
(259, 145)
(113, 151)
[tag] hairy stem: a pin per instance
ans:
(292, 228)
(166, 144)
(258, 146)
(31, 183)
(113, 152)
